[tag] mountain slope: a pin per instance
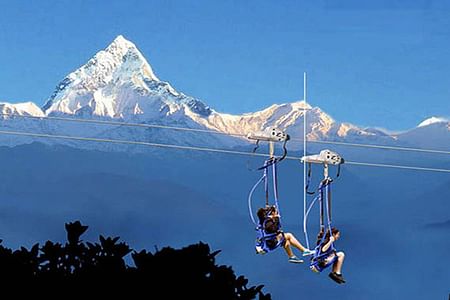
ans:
(434, 135)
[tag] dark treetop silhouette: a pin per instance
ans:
(80, 268)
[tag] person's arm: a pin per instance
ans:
(328, 245)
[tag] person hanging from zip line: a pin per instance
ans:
(331, 257)
(269, 220)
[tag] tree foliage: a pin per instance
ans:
(79, 267)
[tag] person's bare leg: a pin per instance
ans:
(288, 249)
(337, 266)
(290, 238)
(290, 253)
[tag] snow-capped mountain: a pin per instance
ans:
(119, 84)
(290, 117)
(431, 133)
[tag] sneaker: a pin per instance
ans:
(260, 250)
(336, 277)
(341, 278)
(294, 259)
(308, 252)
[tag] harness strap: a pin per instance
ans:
(266, 184)
(256, 146)
(319, 256)
(308, 181)
(284, 151)
(275, 187)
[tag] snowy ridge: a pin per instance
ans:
(9, 120)
(25, 108)
(290, 117)
(435, 133)
(119, 84)
(433, 120)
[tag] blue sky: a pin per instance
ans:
(384, 64)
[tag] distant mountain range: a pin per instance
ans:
(119, 84)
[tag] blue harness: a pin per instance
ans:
(323, 259)
(265, 241)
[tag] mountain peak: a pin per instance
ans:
(433, 120)
(122, 52)
(120, 64)
(122, 41)
(300, 105)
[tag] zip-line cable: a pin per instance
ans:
(396, 166)
(382, 147)
(205, 149)
(78, 138)
(117, 123)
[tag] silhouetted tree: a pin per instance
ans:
(80, 268)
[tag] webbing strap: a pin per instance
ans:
(266, 184)
(321, 206)
(324, 195)
(328, 209)
(275, 187)
(328, 191)
(308, 180)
